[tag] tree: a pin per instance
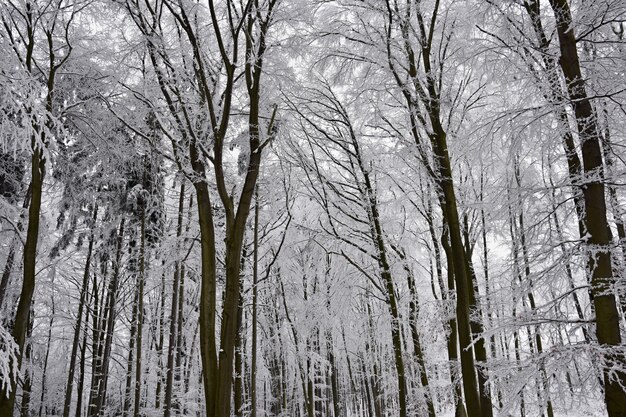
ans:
(41, 55)
(215, 86)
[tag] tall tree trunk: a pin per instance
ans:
(255, 294)
(27, 385)
(488, 312)
(81, 375)
(477, 326)
(96, 345)
(239, 355)
(132, 337)
(180, 341)
(10, 261)
(159, 345)
(6, 272)
(20, 326)
(232, 290)
(77, 330)
(142, 280)
(554, 95)
(99, 388)
(368, 194)
(543, 382)
(599, 261)
(453, 338)
(42, 398)
(441, 174)
(208, 351)
(172, 345)
(417, 345)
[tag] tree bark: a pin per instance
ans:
(99, 387)
(10, 261)
(132, 336)
(27, 386)
(598, 244)
(20, 326)
(140, 290)
(42, 398)
(441, 173)
(81, 377)
(172, 345)
(77, 330)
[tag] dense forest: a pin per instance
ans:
(311, 208)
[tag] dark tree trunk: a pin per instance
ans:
(42, 398)
(20, 326)
(140, 290)
(10, 261)
(599, 262)
(27, 385)
(172, 345)
(131, 353)
(77, 330)
(81, 376)
(159, 346)
(255, 293)
(101, 374)
(239, 371)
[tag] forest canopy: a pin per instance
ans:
(250, 208)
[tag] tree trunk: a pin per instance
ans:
(42, 398)
(77, 330)
(255, 293)
(131, 353)
(10, 261)
(81, 377)
(239, 354)
(441, 174)
(27, 386)
(159, 347)
(417, 346)
(599, 261)
(142, 280)
(453, 339)
(96, 344)
(99, 388)
(172, 345)
(477, 326)
(208, 351)
(20, 326)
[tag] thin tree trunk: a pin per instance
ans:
(96, 343)
(8, 268)
(417, 346)
(477, 326)
(239, 372)
(99, 388)
(42, 398)
(81, 377)
(442, 175)
(131, 353)
(543, 380)
(172, 345)
(142, 280)
(159, 348)
(77, 330)
(255, 292)
(453, 353)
